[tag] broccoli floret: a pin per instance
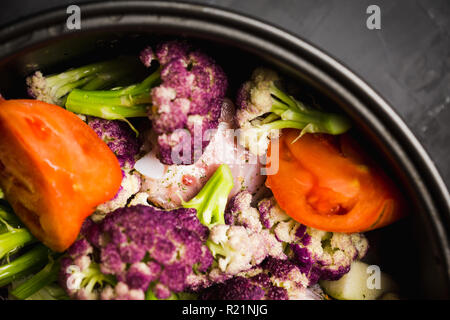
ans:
(264, 109)
(319, 254)
(274, 279)
(54, 88)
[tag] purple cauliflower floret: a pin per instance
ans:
(119, 137)
(147, 56)
(328, 255)
(274, 279)
(319, 254)
(136, 249)
(188, 101)
(240, 212)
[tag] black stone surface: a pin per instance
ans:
(407, 60)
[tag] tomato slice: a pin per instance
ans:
(54, 169)
(329, 184)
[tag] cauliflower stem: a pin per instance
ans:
(211, 201)
(24, 265)
(116, 104)
(12, 236)
(54, 88)
(264, 109)
(44, 277)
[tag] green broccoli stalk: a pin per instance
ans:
(43, 278)
(211, 201)
(264, 109)
(13, 236)
(24, 265)
(101, 75)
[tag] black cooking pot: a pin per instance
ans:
(415, 251)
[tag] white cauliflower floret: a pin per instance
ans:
(275, 219)
(139, 198)
(237, 248)
(254, 98)
(256, 138)
(131, 184)
(39, 88)
(321, 254)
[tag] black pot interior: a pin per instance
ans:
(406, 250)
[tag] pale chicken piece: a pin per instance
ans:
(167, 185)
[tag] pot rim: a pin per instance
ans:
(295, 52)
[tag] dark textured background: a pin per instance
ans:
(407, 61)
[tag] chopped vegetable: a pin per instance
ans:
(329, 185)
(274, 279)
(318, 254)
(13, 238)
(264, 109)
(146, 252)
(134, 249)
(361, 283)
(141, 248)
(54, 88)
(209, 203)
(189, 97)
(44, 277)
(24, 265)
(185, 92)
(54, 169)
(50, 292)
(119, 138)
(116, 104)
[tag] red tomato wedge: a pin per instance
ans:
(329, 184)
(54, 169)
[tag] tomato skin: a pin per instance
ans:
(54, 169)
(329, 184)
